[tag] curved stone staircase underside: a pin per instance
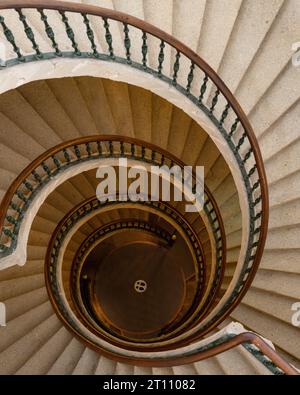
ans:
(254, 59)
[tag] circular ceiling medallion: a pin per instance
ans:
(140, 286)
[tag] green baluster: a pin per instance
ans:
(70, 33)
(127, 42)
(190, 77)
(241, 141)
(28, 185)
(234, 127)
(88, 149)
(153, 154)
(203, 88)
(66, 155)
(176, 68)
(247, 156)
(21, 196)
(258, 216)
(257, 201)
(257, 230)
(16, 208)
(11, 39)
(50, 32)
(252, 171)
(46, 169)
(77, 152)
(224, 114)
(11, 220)
(132, 150)
(8, 233)
(56, 162)
(255, 186)
(161, 57)
(29, 33)
(99, 147)
(214, 101)
(108, 38)
(37, 177)
(122, 148)
(144, 50)
(90, 34)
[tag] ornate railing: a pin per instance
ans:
(94, 206)
(188, 73)
(66, 155)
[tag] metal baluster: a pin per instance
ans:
(77, 151)
(252, 171)
(66, 155)
(176, 67)
(108, 38)
(9, 233)
(28, 185)
(224, 114)
(56, 161)
(247, 156)
(99, 147)
(127, 42)
(11, 39)
(234, 127)
(90, 34)
(16, 208)
(203, 88)
(70, 32)
(132, 148)
(214, 101)
(162, 161)
(11, 220)
(50, 32)
(111, 148)
(190, 77)
(161, 57)
(143, 152)
(258, 216)
(257, 201)
(122, 148)
(21, 196)
(144, 49)
(255, 186)
(88, 149)
(46, 168)
(29, 33)
(153, 154)
(241, 141)
(37, 176)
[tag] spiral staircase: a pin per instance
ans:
(82, 86)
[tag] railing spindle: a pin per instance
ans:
(70, 32)
(11, 39)
(50, 32)
(29, 33)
